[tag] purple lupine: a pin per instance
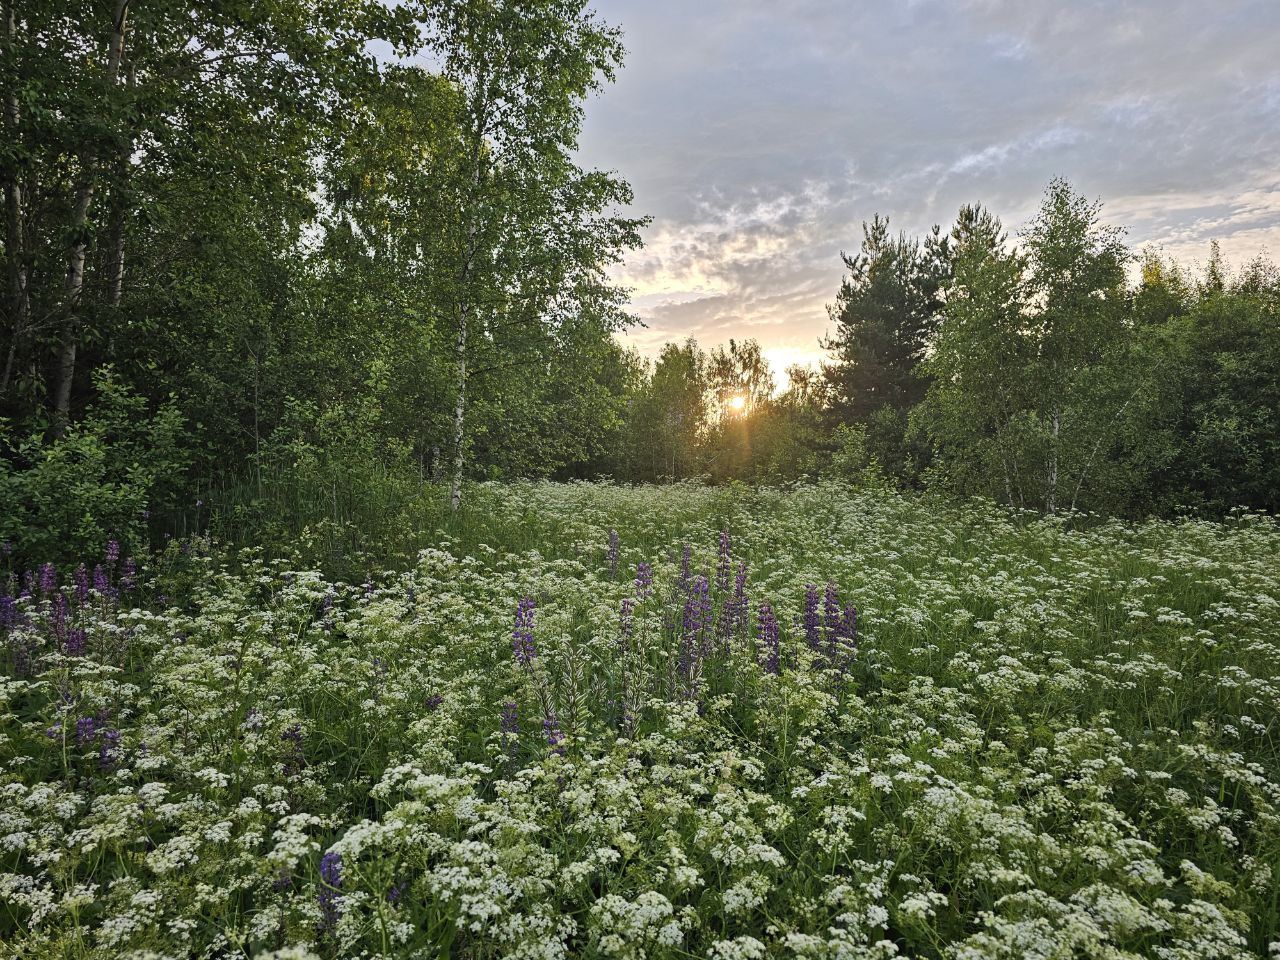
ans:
(733, 612)
(81, 579)
(48, 578)
(113, 551)
(101, 581)
(330, 885)
(6, 548)
(724, 563)
(75, 644)
(611, 556)
(108, 748)
(811, 619)
(396, 892)
(86, 729)
(626, 621)
(128, 574)
(433, 702)
(59, 610)
(740, 597)
(686, 569)
(551, 729)
(849, 635)
(769, 639)
(693, 629)
(8, 612)
(830, 611)
(644, 579)
(522, 635)
(831, 622)
(29, 584)
(510, 718)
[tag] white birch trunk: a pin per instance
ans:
(1051, 497)
(15, 245)
(459, 412)
(73, 289)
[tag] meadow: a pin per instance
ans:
(603, 721)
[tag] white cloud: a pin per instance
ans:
(761, 133)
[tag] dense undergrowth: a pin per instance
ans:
(656, 722)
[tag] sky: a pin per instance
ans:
(760, 134)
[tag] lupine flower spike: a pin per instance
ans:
(522, 635)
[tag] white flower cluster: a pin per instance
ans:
(1039, 742)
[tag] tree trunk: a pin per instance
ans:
(15, 237)
(459, 410)
(464, 311)
(120, 209)
(73, 289)
(1051, 496)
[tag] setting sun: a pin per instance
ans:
(737, 403)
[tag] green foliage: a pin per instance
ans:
(886, 317)
(1024, 393)
(304, 227)
(1218, 362)
(852, 459)
(99, 481)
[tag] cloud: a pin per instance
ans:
(761, 133)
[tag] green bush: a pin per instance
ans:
(62, 497)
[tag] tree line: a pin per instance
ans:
(1054, 370)
(272, 259)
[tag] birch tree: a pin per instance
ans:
(1028, 385)
(1077, 283)
(108, 103)
(533, 232)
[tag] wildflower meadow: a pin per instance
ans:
(600, 721)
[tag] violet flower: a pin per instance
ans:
(811, 621)
(86, 729)
(330, 885)
(522, 635)
(75, 644)
(551, 729)
(644, 579)
(769, 638)
(129, 574)
(81, 579)
(108, 748)
(612, 555)
(510, 719)
(626, 617)
(693, 630)
(723, 565)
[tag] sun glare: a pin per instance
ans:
(737, 403)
